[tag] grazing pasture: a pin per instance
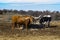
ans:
(51, 33)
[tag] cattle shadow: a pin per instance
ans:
(34, 26)
(40, 26)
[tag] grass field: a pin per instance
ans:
(52, 33)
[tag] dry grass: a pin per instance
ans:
(55, 23)
(31, 38)
(52, 33)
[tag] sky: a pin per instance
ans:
(35, 5)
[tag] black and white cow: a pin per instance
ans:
(45, 18)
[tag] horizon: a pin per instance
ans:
(35, 5)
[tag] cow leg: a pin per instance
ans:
(18, 25)
(15, 24)
(26, 27)
(48, 23)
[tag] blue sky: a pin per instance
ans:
(40, 5)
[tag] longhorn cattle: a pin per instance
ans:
(21, 20)
(36, 18)
(46, 18)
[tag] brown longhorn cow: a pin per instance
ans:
(25, 20)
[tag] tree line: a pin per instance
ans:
(55, 14)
